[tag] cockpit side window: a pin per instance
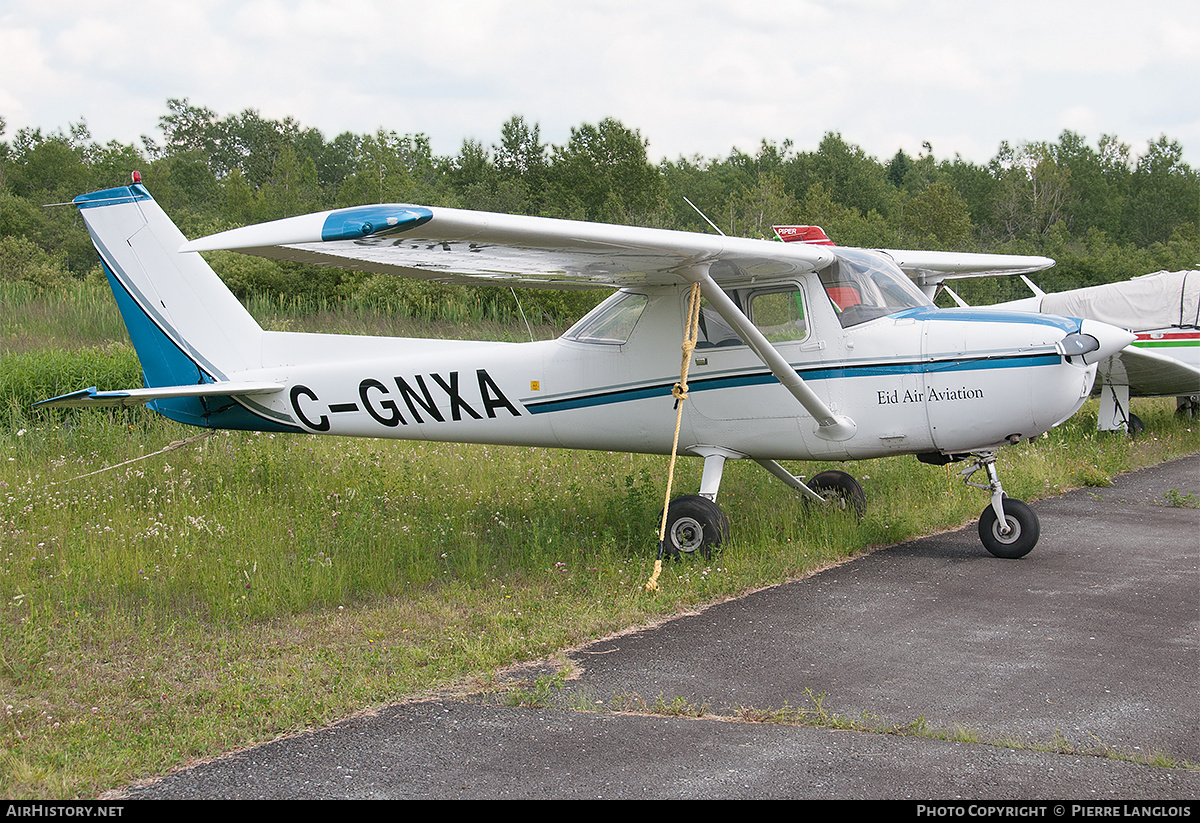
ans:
(864, 285)
(611, 322)
(714, 332)
(779, 315)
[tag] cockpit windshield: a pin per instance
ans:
(864, 285)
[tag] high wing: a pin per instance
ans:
(459, 246)
(929, 268)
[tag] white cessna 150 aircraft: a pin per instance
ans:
(801, 352)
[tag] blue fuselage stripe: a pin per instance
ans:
(761, 378)
(988, 315)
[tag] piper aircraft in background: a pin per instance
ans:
(797, 351)
(1163, 310)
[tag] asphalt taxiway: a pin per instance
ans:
(1072, 673)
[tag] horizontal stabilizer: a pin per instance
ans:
(92, 398)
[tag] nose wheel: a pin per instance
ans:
(1008, 528)
(1018, 535)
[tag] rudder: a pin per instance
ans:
(174, 305)
(186, 326)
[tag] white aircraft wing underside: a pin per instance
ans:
(459, 246)
(928, 268)
(1150, 374)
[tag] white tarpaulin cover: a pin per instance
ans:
(1153, 301)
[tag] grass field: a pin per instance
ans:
(244, 586)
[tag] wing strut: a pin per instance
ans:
(830, 426)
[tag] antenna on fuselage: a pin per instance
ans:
(522, 311)
(705, 216)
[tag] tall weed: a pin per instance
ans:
(28, 377)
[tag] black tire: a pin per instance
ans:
(1135, 425)
(695, 525)
(842, 490)
(1024, 525)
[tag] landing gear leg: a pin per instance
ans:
(695, 523)
(829, 487)
(1008, 528)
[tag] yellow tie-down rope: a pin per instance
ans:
(169, 447)
(679, 392)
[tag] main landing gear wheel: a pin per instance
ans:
(842, 490)
(1135, 426)
(1023, 530)
(695, 525)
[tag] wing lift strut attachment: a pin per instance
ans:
(694, 523)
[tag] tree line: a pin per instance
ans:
(1104, 212)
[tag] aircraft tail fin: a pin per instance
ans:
(187, 327)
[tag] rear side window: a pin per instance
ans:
(612, 321)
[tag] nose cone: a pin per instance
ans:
(1095, 341)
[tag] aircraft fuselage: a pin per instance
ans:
(921, 381)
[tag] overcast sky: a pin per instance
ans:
(695, 77)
